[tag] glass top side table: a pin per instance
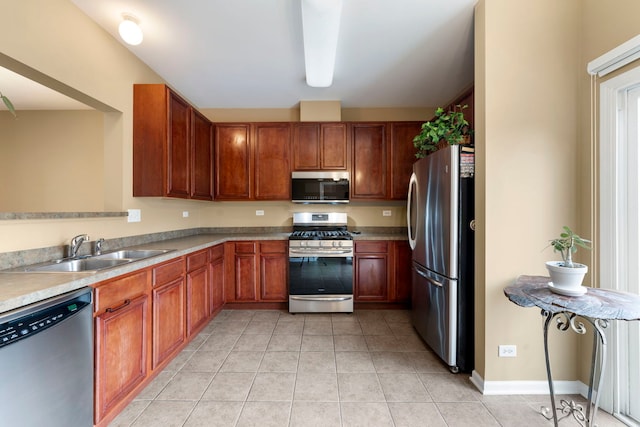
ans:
(597, 307)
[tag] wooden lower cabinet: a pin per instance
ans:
(401, 282)
(197, 291)
(274, 271)
(122, 336)
(216, 284)
(382, 271)
(169, 332)
(371, 267)
(257, 271)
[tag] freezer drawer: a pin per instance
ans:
(434, 312)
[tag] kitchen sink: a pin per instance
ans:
(78, 265)
(131, 254)
(91, 263)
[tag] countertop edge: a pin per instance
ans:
(21, 289)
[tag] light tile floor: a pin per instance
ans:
(271, 368)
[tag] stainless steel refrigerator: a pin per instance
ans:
(440, 212)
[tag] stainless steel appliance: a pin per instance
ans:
(320, 264)
(46, 350)
(440, 212)
(320, 187)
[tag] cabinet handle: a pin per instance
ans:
(120, 307)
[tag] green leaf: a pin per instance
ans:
(9, 105)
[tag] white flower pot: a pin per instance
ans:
(566, 280)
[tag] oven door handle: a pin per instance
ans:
(315, 251)
(320, 298)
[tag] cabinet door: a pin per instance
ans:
(178, 147)
(369, 172)
(401, 289)
(272, 147)
(216, 286)
(201, 158)
(197, 299)
(168, 320)
(371, 271)
(306, 146)
(245, 272)
(232, 161)
(121, 352)
(274, 268)
(334, 153)
(402, 156)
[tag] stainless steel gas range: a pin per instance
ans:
(320, 264)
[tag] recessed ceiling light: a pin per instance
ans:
(130, 30)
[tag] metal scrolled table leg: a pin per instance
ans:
(598, 362)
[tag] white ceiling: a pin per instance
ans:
(249, 53)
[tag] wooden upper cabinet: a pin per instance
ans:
(320, 146)
(272, 142)
(201, 158)
(402, 156)
(164, 145)
(369, 171)
(306, 146)
(179, 144)
(233, 166)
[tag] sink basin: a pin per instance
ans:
(90, 264)
(131, 254)
(78, 265)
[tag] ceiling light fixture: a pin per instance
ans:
(130, 30)
(320, 27)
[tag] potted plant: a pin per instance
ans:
(450, 127)
(8, 103)
(566, 275)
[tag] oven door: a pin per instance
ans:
(320, 284)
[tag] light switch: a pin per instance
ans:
(386, 213)
(260, 212)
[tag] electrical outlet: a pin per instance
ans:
(185, 214)
(260, 212)
(134, 215)
(507, 351)
(386, 213)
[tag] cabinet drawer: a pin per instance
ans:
(217, 252)
(371, 247)
(114, 293)
(197, 260)
(168, 272)
(275, 247)
(245, 248)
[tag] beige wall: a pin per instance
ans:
(52, 161)
(527, 100)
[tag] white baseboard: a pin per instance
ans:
(526, 387)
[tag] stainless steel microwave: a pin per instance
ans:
(320, 187)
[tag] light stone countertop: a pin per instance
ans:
(20, 289)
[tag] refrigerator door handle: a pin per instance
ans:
(413, 182)
(433, 282)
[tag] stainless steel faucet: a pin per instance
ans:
(76, 242)
(97, 249)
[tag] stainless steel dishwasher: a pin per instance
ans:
(46, 358)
